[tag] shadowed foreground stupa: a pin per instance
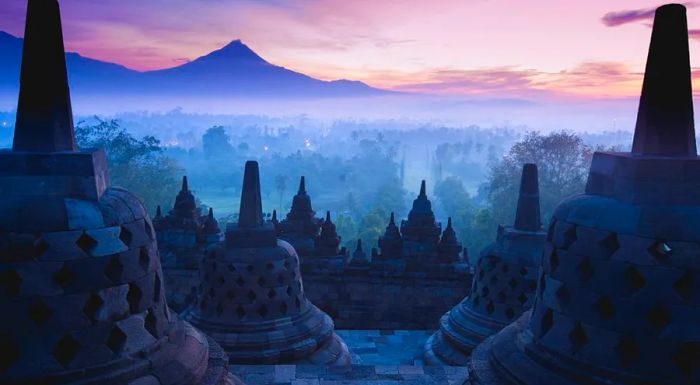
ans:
(252, 298)
(504, 282)
(82, 294)
(618, 300)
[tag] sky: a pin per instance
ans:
(567, 48)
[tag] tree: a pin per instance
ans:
(452, 195)
(216, 143)
(281, 186)
(563, 161)
(135, 164)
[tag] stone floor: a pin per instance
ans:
(382, 357)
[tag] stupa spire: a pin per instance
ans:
(44, 116)
(302, 186)
(422, 189)
(185, 184)
(250, 213)
(328, 217)
(665, 123)
(527, 216)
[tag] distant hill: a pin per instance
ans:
(234, 70)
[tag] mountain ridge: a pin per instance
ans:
(232, 70)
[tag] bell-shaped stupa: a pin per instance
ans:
(618, 300)
(503, 286)
(252, 300)
(82, 286)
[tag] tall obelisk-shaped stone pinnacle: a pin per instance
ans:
(250, 213)
(44, 116)
(665, 123)
(527, 216)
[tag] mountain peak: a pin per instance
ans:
(236, 50)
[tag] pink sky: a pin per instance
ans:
(504, 47)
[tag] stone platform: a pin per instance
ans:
(384, 357)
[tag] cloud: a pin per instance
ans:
(614, 19)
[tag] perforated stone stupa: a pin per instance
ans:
(618, 300)
(81, 285)
(503, 286)
(252, 299)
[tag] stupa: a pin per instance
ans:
(503, 286)
(81, 280)
(300, 227)
(328, 242)
(618, 300)
(252, 297)
(391, 243)
(420, 232)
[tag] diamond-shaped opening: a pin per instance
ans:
(271, 294)
(659, 316)
(134, 298)
(510, 313)
(114, 269)
(212, 293)
(493, 280)
(284, 308)
(490, 308)
(156, 289)
(262, 310)
(249, 268)
(204, 304)
(86, 242)
(66, 349)
(39, 312)
(585, 270)
(553, 260)
(125, 236)
(39, 248)
(513, 283)
(688, 358)
(231, 267)
(230, 294)
(9, 352)
(684, 286)
(240, 311)
(261, 281)
(289, 291)
(144, 258)
(578, 337)
(523, 271)
(569, 237)
(11, 282)
(93, 306)
(610, 244)
(504, 268)
(116, 340)
(627, 350)
(501, 296)
(151, 323)
(240, 281)
(660, 250)
(251, 295)
(280, 279)
(605, 307)
(64, 276)
(563, 294)
(219, 309)
(522, 298)
(269, 266)
(484, 291)
(634, 279)
(221, 280)
(546, 322)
